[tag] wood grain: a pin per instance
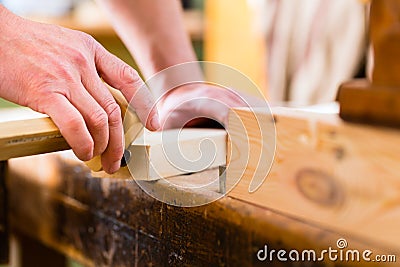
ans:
(334, 174)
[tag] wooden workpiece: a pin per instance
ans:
(327, 172)
(377, 99)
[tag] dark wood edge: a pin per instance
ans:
(101, 221)
(4, 231)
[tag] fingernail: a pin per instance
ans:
(155, 122)
(88, 156)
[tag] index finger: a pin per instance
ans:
(124, 78)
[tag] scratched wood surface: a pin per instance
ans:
(112, 222)
(332, 173)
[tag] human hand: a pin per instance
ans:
(196, 104)
(58, 71)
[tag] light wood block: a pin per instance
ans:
(169, 153)
(335, 174)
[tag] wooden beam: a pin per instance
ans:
(325, 171)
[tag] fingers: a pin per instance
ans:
(124, 78)
(189, 105)
(114, 144)
(71, 124)
(111, 158)
(95, 116)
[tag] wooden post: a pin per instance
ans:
(377, 100)
(4, 241)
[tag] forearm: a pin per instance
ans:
(153, 32)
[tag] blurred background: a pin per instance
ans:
(295, 51)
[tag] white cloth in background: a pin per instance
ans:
(313, 46)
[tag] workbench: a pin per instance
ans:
(57, 207)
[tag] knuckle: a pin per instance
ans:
(116, 152)
(43, 100)
(78, 56)
(114, 113)
(87, 38)
(128, 75)
(73, 124)
(64, 74)
(79, 59)
(99, 119)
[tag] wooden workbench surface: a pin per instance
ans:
(111, 221)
